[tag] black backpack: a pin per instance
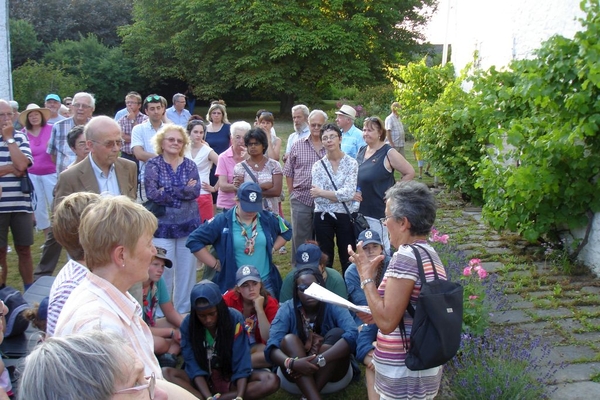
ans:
(437, 321)
(15, 322)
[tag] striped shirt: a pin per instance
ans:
(299, 167)
(97, 304)
(393, 379)
(13, 199)
(69, 277)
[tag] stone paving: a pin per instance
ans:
(564, 310)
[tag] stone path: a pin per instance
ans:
(563, 309)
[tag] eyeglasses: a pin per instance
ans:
(329, 137)
(150, 385)
(153, 98)
(81, 144)
(6, 115)
(250, 144)
(109, 144)
(384, 219)
(316, 126)
(130, 103)
(81, 105)
(173, 140)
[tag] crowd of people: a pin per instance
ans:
(147, 200)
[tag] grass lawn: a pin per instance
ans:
(245, 111)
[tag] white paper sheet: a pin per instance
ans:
(322, 294)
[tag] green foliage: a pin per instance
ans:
(33, 81)
(60, 20)
(294, 49)
(476, 306)
(102, 70)
(543, 117)
(24, 44)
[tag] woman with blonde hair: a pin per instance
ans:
(217, 136)
(172, 181)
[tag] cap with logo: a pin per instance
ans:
(369, 236)
(308, 255)
(247, 273)
(250, 196)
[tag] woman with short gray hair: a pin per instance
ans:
(409, 216)
(236, 153)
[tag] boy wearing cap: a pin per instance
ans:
(165, 331)
(310, 255)
(243, 235)
(258, 308)
(216, 351)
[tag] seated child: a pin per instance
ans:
(165, 331)
(216, 351)
(258, 308)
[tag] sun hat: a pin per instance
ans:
(369, 236)
(162, 253)
(250, 196)
(52, 96)
(308, 255)
(207, 290)
(247, 273)
(347, 111)
(33, 107)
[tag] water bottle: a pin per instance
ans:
(356, 204)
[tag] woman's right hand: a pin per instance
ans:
(357, 196)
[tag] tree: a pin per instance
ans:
(60, 20)
(33, 81)
(295, 49)
(24, 44)
(102, 70)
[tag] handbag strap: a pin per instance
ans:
(254, 178)
(335, 187)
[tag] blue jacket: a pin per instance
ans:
(241, 364)
(285, 322)
(355, 294)
(216, 233)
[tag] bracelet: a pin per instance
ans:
(216, 264)
(366, 282)
(172, 334)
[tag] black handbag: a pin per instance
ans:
(156, 209)
(359, 222)
(26, 184)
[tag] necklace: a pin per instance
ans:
(250, 240)
(257, 164)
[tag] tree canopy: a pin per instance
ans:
(294, 49)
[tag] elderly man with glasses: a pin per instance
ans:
(177, 114)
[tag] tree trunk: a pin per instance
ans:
(285, 104)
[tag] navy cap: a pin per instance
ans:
(247, 273)
(250, 197)
(162, 254)
(308, 255)
(369, 236)
(42, 313)
(207, 290)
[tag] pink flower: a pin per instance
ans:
(467, 271)
(444, 239)
(434, 231)
(482, 273)
(474, 261)
(473, 297)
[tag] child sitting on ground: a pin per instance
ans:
(258, 308)
(165, 331)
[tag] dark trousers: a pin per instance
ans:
(49, 259)
(330, 231)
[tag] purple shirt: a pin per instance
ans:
(43, 164)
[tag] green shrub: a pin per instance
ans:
(33, 81)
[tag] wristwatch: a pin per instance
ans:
(10, 141)
(321, 362)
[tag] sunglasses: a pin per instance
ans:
(153, 98)
(302, 287)
(266, 114)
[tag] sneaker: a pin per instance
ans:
(282, 250)
(167, 360)
(428, 174)
(420, 176)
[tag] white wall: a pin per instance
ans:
(5, 74)
(502, 31)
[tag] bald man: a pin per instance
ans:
(103, 171)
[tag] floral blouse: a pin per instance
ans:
(345, 181)
(271, 167)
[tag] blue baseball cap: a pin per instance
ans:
(52, 96)
(42, 313)
(247, 273)
(308, 255)
(369, 236)
(208, 291)
(250, 196)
